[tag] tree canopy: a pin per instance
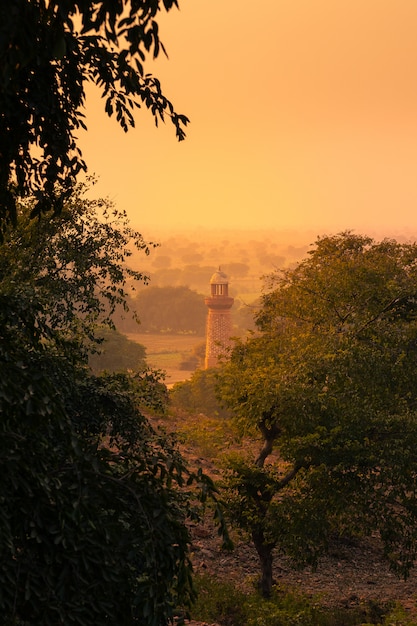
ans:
(170, 309)
(74, 264)
(49, 49)
(117, 353)
(328, 381)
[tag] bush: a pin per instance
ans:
(117, 353)
(198, 395)
(221, 602)
(171, 309)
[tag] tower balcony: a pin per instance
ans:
(219, 303)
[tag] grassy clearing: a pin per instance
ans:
(159, 343)
(166, 352)
(164, 360)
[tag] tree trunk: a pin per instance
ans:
(269, 433)
(264, 550)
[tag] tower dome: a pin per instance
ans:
(219, 284)
(219, 278)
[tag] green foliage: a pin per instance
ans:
(171, 309)
(92, 523)
(328, 381)
(74, 264)
(209, 436)
(199, 395)
(289, 609)
(249, 493)
(194, 359)
(398, 617)
(189, 362)
(117, 353)
(48, 51)
(93, 501)
(220, 601)
(244, 315)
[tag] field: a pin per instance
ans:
(167, 351)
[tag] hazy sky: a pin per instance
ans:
(303, 115)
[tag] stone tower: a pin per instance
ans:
(219, 319)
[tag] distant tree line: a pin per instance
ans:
(177, 310)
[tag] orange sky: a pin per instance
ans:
(303, 115)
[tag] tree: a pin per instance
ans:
(237, 270)
(193, 276)
(198, 395)
(194, 359)
(94, 501)
(328, 381)
(117, 354)
(75, 264)
(92, 522)
(171, 309)
(49, 49)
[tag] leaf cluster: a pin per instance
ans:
(199, 395)
(49, 49)
(92, 519)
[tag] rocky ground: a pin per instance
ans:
(353, 574)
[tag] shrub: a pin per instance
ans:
(222, 602)
(198, 395)
(219, 601)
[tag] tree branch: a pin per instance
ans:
(291, 474)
